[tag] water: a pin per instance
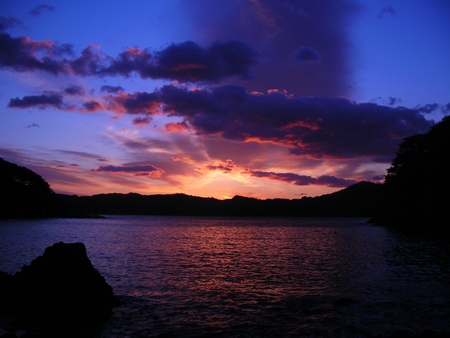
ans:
(250, 277)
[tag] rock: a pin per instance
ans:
(60, 292)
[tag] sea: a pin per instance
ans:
(252, 277)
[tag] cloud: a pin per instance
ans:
(184, 62)
(141, 121)
(394, 101)
(9, 22)
(329, 181)
(224, 167)
(306, 54)
(34, 125)
(41, 101)
(22, 54)
(84, 155)
(180, 127)
(310, 126)
(112, 89)
(74, 90)
(445, 108)
(40, 9)
(142, 170)
(73, 165)
(428, 108)
(387, 11)
(92, 106)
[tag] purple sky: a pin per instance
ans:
(261, 98)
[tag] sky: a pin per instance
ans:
(258, 98)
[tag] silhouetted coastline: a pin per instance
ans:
(358, 200)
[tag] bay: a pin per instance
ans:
(251, 277)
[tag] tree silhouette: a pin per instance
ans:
(25, 194)
(417, 184)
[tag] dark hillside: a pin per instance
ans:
(359, 200)
(416, 191)
(25, 194)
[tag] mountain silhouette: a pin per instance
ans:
(358, 200)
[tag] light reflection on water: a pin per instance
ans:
(311, 277)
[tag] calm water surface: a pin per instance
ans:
(250, 277)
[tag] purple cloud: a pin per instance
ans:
(428, 108)
(224, 167)
(387, 11)
(41, 101)
(330, 181)
(112, 89)
(315, 127)
(141, 121)
(9, 22)
(92, 106)
(306, 54)
(74, 90)
(140, 170)
(38, 10)
(22, 54)
(184, 62)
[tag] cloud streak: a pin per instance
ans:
(141, 170)
(302, 180)
(38, 10)
(40, 101)
(184, 62)
(9, 21)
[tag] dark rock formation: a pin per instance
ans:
(59, 294)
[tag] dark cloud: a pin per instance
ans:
(306, 54)
(428, 108)
(9, 22)
(22, 54)
(183, 62)
(74, 90)
(316, 127)
(387, 11)
(329, 181)
(41, 101)
(33, 125)
(445, 108)
(38, 10)
(141, 103)
(188, 62)
(92, 106)
(141, 121)
(112, 89)
(84, 155)
(73, 165)
(224, 167)
(140, 170)
(392, 101)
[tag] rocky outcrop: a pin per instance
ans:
(58, 294)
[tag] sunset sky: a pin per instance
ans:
(260, 98)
